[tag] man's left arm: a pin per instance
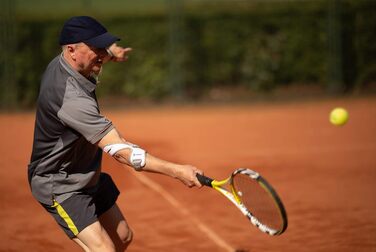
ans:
(117, 53)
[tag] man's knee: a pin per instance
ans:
(129, 237)
(96, 238)
(126, 239)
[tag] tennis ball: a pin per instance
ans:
(339, 116)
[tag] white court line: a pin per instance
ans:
(182, 210)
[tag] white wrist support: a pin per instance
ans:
(109, 52)
(138, 155)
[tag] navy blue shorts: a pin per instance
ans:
(84, 207)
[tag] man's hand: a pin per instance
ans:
(187, 175)
(119, 54)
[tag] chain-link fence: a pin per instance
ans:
(186, 49)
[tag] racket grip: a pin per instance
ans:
(206, 181)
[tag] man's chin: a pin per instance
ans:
(97, 69)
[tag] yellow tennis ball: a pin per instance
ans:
(339, 116)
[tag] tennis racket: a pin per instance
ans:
(254, 197)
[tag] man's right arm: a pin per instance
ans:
(185, 173)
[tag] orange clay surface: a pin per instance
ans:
(325, 175)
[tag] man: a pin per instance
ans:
(70, 133)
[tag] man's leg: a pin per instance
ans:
(94, 238)
(81, 244)
(116, 227)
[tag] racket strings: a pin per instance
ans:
(258, 200)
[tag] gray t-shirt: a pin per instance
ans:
(68, 124)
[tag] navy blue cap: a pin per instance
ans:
(88, 30)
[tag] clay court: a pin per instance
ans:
(325, 175)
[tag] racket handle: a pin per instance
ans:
(206, 181)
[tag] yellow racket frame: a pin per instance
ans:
(222, 186)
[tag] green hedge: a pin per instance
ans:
(258, 46)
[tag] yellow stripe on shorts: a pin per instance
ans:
(65, 217)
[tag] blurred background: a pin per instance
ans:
(200, 50)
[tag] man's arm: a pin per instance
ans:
(117, 53)
(185, 173)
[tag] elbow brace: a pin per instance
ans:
(138, 155)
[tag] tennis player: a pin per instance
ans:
(69, 137)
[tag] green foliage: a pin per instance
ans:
(146, 72)
(258, 45)
(363, 46)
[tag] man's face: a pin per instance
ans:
(89, 59)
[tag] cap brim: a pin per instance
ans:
(102, 41)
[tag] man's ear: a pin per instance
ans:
(71, 49)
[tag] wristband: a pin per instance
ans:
(109, 52)
(137, 158)
(112, 56)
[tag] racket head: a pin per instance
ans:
(265, 209)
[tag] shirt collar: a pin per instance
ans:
(87, 84)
